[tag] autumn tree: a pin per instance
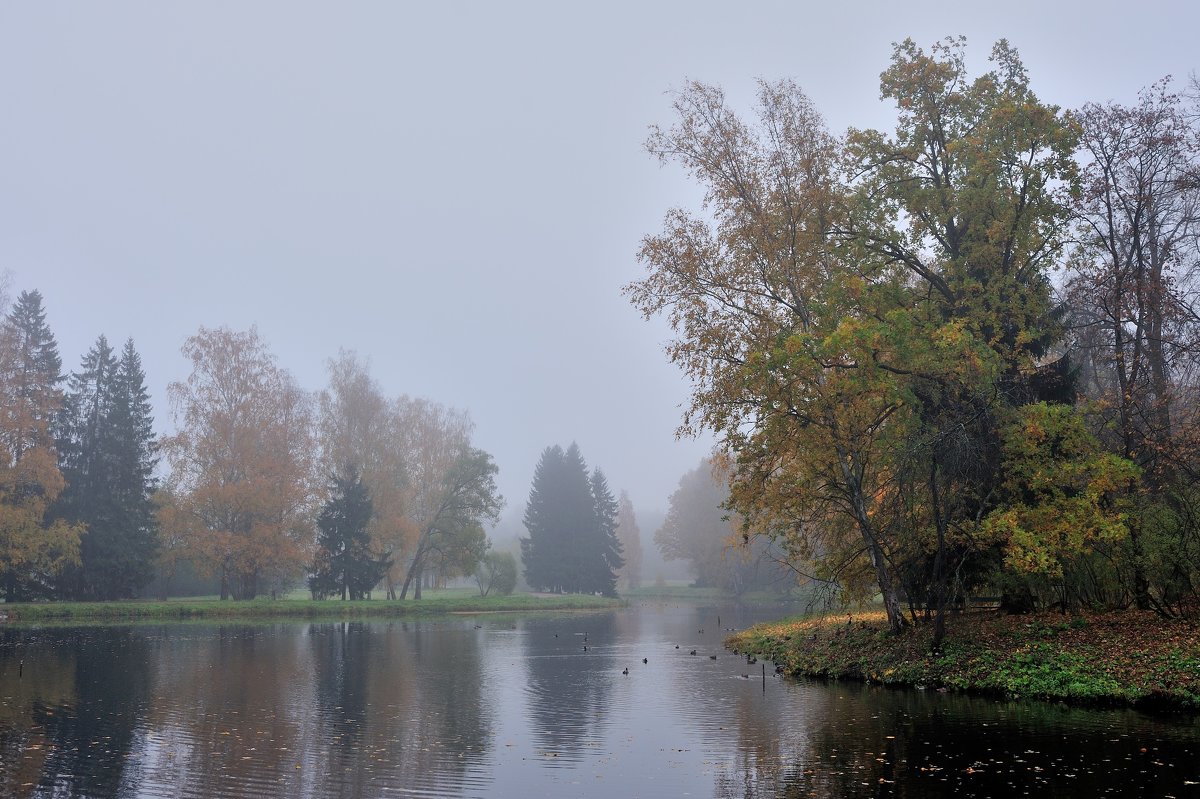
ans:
(345, 564)
(862, 317)
(630, 574)
(359, 428)
(453, 507)
(108, 454)
(1135, 323)
(34, 549)
(241, 462)
(966, 203)
(763, 307)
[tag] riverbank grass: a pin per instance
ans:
(433, 603)
(1129, 658)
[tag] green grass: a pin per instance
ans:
(434, 602)
(1129, 658)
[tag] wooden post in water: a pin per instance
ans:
(764, 677)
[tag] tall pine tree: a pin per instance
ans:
(107, 454)
(571, 520)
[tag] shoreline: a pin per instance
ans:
(1124, 659)
(31, 613)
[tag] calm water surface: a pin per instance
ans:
(504, 706)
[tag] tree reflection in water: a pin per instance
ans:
(513, 707)
(70, 716)
(568, 689)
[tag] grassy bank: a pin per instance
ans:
(1131, 658)
(456, 602)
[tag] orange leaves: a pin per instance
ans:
(242, 464)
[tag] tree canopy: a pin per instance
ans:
(870, 328)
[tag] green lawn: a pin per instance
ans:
(457, 600)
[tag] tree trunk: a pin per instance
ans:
(939, 563)
(413, 571)
(1141, 584)
(883, 576)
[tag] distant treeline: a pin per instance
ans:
(265, 486)
(253, 462)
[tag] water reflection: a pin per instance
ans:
(69, 716)
(882, 742)
(499, 706)
(570, 668)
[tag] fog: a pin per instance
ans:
(455, 191)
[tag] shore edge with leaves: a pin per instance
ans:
(1129, 659)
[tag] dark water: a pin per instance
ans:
(502, 706)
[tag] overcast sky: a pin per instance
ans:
(454, 190)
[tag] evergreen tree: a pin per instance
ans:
(572, 545)
(607, 561)
(345, 564)
(32, 372)
(543, 552)
(107, 454)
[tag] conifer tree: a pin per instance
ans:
(603, 567)
(107, 455)
(345, 564)
(32, 373)
(542, 551)
(571, 519)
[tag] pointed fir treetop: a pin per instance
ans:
(30, 374)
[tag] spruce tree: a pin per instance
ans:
(107, 455)
(32, 374)
(604, 557)
(345, 564)
(571, 520)
(542, 552)
(134, 461)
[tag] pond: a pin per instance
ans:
(526, 706)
